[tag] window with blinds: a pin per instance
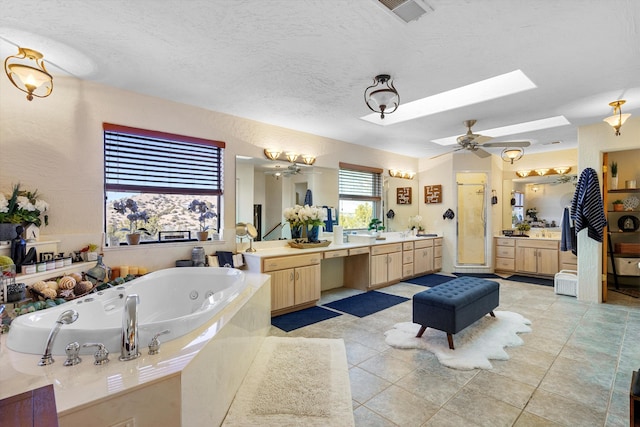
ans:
(360, 189)
(163, 175)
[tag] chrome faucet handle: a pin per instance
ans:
(101, 355)
(72, 349)
(154, 345)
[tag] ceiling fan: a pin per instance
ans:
(292, 169)
(475, 143)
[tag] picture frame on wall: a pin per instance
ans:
(403, 195)
(433, 193)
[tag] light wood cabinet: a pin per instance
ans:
(423, 257)
(568, 261)
(386, 264)
(295, 281)
(437, 254)
(407, 259)
(537, 256)
(505, 254)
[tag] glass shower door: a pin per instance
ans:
(472, 219)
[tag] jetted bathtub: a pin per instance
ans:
(177, 299)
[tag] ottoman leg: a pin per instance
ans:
(421, 331)
(450, 339)
(491, 313)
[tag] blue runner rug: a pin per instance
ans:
(298, 319)
(362, 305)
(430, 280)
(532, 280)
(479, 275)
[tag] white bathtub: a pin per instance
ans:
(177, 299)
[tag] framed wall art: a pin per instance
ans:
(403, 195)
(433, 193)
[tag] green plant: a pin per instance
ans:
(614, 169)
(376, 225)
(523, 226)
(618, 202)
(23, 207)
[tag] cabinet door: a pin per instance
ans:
(547, 261)
(526, 260)
(307, 284)
(282, 289)
(394, 267)
(378, 269)
(423, 260)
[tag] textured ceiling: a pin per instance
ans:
(304, 64)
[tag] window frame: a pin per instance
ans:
(376, 199)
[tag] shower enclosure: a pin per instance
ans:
(472, 219)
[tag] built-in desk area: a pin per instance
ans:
(297, 274)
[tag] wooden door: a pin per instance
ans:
(394, 266)
(378, 269)
(547, 261)
(526, 260)
(282, 289)
(307, 284)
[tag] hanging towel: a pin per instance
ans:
(587, 209)
(328, 224)
(238, 260)
(565, 237)
(308, 198)
(225, 259)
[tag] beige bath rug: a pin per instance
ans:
(295, 381)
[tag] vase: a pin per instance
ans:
(614, 183)
(133, 238)
(202, 235)
(312, 234)
(8, 232)
(296, 231)
(618, 207)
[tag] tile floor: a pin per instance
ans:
(574, 368)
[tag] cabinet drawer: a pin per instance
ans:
(407, 270)
(407, 246)
(505, 264)
(407, 257)
(437, 241)
(437, 263)
(505, 252)
(505, 242)
(539, 244)
(426, 243)
(386, 249)
(280, 263)
(358, 251)
(336, 254)
(437, 251)
(567, 257)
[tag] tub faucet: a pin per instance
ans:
(129, 349)
(67, 317)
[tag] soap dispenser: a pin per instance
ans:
(99, 273)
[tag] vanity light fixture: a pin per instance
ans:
(562, 169)
(34, 80)
(512, 154)
(271, 154)
(523, 173)
(542, 172)
(292, 157)
(395, 173)
(382, 97)
(617, 119)
(308, 159)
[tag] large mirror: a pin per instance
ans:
(264, 188)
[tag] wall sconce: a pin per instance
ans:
(524, 173)
(382, 97)
(617, 119)
(512, 154)
(562, 169)
(542, 172)
(291, 157)
(271, 154)
(308, 160)
(32, 80)
(395, 173)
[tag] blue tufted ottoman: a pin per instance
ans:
(454, 305)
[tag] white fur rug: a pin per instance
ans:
(474, 345)
(295, 381)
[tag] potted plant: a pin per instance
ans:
(206, 212)
(614, 175)
(618, 205)
(134, 217)
(376, 225)
(523, 227)
(90, 252)
(21, 207)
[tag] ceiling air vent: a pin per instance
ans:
(407, 10)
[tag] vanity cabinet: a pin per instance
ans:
(407, 260)
(437, 254)
(386, 264)
(422, 257)
(295, 281)
(537, 256)
(505, 254)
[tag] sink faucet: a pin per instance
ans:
(129, 349)
(67, 317)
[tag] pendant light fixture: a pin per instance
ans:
(382, 97)
(617, 119)
(27, 72)
(512, 154)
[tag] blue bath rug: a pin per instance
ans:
(299, 319)
(362, 305)
(430, 280)
(532, 280)
(479, 275)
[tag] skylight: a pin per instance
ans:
(534, 125)
(484, 90)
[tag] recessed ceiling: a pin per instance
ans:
(304, 64)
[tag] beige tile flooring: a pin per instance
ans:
(574, 368)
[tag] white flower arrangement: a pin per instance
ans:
(305, 215)
(416, 222)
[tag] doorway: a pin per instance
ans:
(472, 219)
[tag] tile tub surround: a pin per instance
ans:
(574, 368)
(211, 362)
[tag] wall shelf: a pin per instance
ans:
(625, 190)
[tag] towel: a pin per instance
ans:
(565, 236)
(587, 208)
(238, 260)
(225, 259)
(328, 224)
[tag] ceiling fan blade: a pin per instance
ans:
(448, 152)
(480, 139)
(481, 153)
(508, 144)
